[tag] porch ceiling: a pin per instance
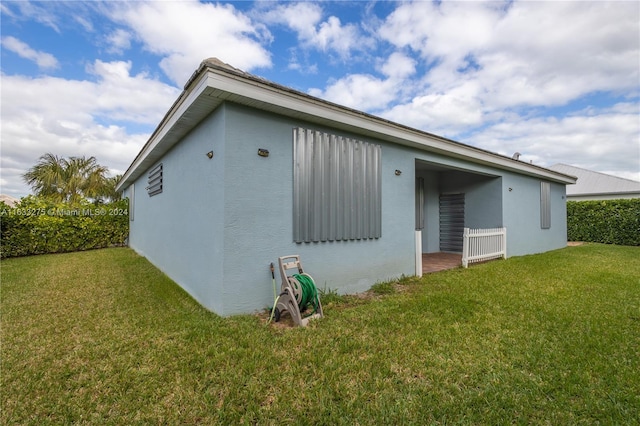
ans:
(426, 166)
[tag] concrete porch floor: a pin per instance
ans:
(434, 262)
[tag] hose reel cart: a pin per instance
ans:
(298, 292)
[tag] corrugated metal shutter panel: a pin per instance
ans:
(451, 222)
(336, 188)
(155, 180)
(545, 205)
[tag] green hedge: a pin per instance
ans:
(605, 221)
(38, 226)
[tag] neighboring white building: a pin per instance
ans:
(597, 186)
(9, 200)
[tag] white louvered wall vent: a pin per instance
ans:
(155, 181)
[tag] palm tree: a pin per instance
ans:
(69, 180)
(109, 191)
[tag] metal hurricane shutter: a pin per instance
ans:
(336, 187)
(451, 222)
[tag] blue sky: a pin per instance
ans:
(558, 82)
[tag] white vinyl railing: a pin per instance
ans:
(483, 244)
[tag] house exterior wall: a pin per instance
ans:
(489, 203)
(521, 210)
(220, 222)
(483, 197)
(431, 230)
(259, 207)
(180, 229)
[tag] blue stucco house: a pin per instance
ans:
(242, 170)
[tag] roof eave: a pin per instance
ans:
(215, 82)
(182, 104)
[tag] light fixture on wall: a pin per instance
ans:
(398, 172)
(263, 152)
(210, 155)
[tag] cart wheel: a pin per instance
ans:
(276, 315)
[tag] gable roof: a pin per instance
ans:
(596, 183)
(215, 82)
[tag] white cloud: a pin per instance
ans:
(602, 140)
(398, 65)
(300, 17)
(539, 57)
(366, 92)
(74, 117)
(84, 22)
(36, 11)
(523, 53)
(485, 63)
(124, 97)
(360, 91)
(5, 10)
(445, 32)
(301, 66)
(42, 59)
(479, 72)
(444, 113)
(330, 35)
(185, 33)
(507, 57)
(119, 41)
(333, 35)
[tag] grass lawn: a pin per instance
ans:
(103, 337)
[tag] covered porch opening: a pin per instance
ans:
(448, 199)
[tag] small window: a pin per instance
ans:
(545, 205)
(155, 181)
(336, 188)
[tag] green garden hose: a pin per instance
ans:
(309, 292)
(275, 294)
